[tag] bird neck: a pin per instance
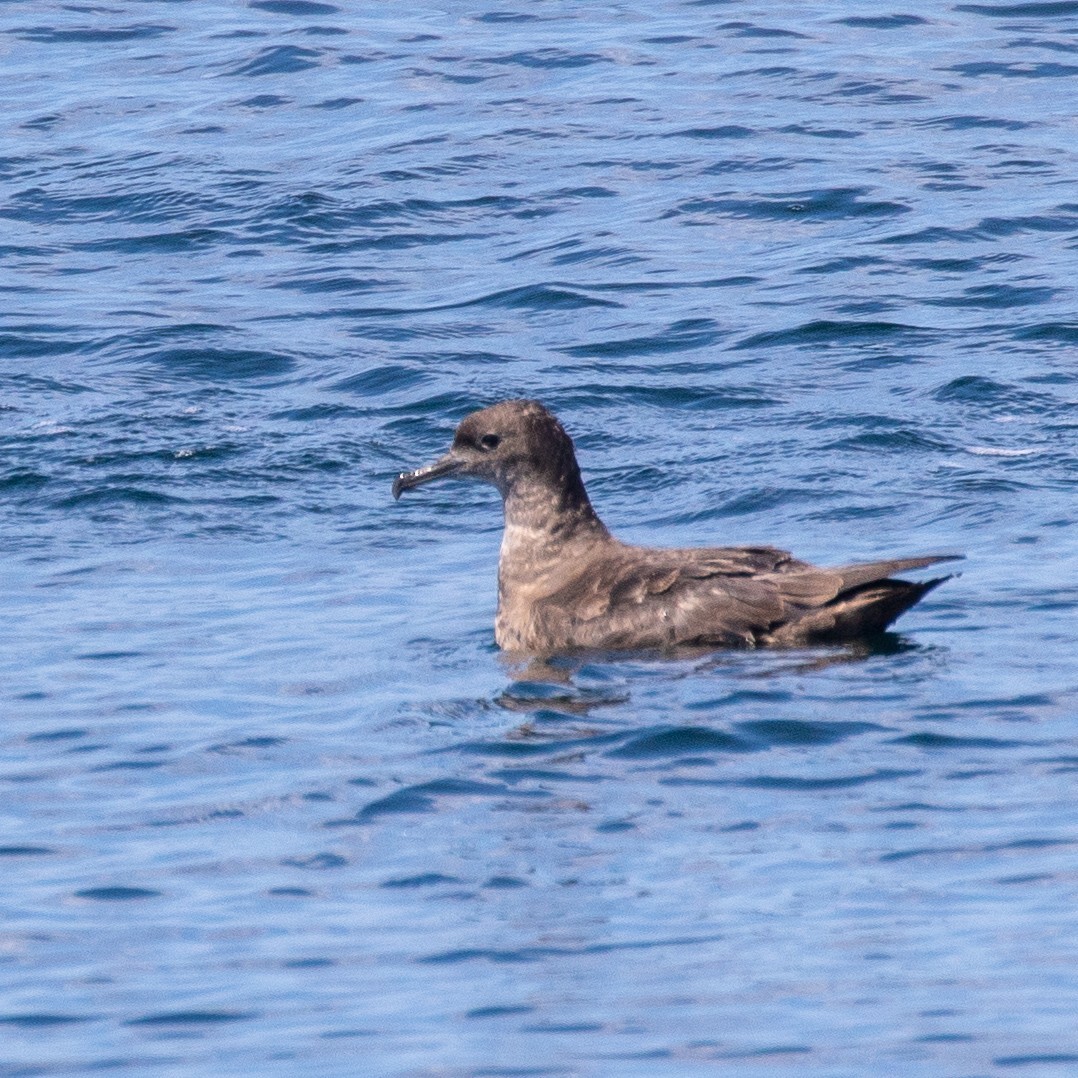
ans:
(550, 513)
(551, 534)
(549, 527)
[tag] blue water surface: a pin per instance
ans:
(273, 803)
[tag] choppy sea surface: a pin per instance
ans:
(272, 802)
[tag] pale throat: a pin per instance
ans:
(542, 528)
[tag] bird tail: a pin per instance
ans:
(863, 610)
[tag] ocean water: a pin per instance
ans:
(273, 803)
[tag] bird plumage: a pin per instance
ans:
(565, 583)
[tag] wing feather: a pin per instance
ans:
(652, 598)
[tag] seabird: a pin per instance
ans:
(565, 583)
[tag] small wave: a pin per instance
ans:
(424, 796)
(828, 204)
(317, 413)
(1049, 9)
(192, 1018)
(977, 391)
(679, 741)
(335, 103)
(803, 732)
(760, 499)
(545, 746)
(896, 441)
(278, 60)
(754, 30)
(222, 364)
(314, 213)
(154, 204)
(319, 862)
(499, 1011)
(108, 656)
(927, 739)
(995, 297)
(110, 495)
(843, 264)
(678, 337)
(394, 241)
(116, 894)
(27, 346)
(967, 122)
(540, 297)
(41, 1020)
(188, 239)
(826, 331)
(23, 480)
(92, 35)
(537, 952)
(381, 380)
(129, 765)
(425, 879)
(264, 101)
(934, 234)
(795, 783)
(882, 22)
(1015, 69)
(725, 131)
(247, 744)
(320, 284)
(1038, 1059)
(598, 256)
(294, 7)
(543, 774)
(1034, 845)
(548, 58)
(693, 398)
(1060, 332)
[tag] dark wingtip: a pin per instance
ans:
(930, 585)
(398, 487)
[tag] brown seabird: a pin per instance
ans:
(565, 583)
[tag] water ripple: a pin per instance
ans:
(795, 276)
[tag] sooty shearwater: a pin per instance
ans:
(565, 583)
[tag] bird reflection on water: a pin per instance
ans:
(548, 689)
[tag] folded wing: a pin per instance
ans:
(729, 596)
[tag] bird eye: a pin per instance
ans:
(490, 441)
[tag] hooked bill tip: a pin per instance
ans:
(447, 465)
